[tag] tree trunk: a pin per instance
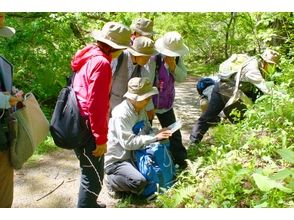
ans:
(228, 29)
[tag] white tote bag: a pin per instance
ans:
(29, 127)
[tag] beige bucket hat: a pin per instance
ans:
(5, 31)
(142, 46)
(270, 56)
(171, 44)
(140, 88)
(143, 26)
(114, 34)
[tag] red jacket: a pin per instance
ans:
(92, 85)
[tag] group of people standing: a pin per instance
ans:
(123, 80)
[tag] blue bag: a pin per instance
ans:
(156, 165)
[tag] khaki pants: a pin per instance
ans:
(6, 180)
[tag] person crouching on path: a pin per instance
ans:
(252, 84)
(121, 175)
(92, 85)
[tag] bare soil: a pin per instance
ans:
(53, 180)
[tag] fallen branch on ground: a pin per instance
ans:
(51, 191)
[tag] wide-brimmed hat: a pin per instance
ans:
(114, 34)
(5, 31)
(140, 88)
(171, 44)
(142, 46)
(270, 56)
(143, 26)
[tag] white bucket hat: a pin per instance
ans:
(5, 31)
(171, 44)
(142, 46)
(270, 56)
(114, 34)
(140, 88)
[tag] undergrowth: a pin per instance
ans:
(249, 164)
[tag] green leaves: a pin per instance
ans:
(287, 155)
(264, 183)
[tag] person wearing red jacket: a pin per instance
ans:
(92, 85)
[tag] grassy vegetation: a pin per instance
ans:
(44, 148)
(245, 165)
(249, 164)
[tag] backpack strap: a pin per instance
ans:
(177, 60)
(70, 79)
(136, 71)
(237, 84)
(157, 67)
(119, 62)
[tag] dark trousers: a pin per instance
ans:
(92, 173)
(210, 116)
(124, 177)
(177, 148)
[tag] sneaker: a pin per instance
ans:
(115, 195)
(100, 205)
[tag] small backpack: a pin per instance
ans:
(67, 127)
(154, 162)
(156, 165)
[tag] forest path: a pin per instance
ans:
(59, 170)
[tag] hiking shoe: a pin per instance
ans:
(115, 195)
(100, 205)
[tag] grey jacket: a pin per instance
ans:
(121, 77)
(121, 139)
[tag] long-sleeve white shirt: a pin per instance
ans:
(121, 139)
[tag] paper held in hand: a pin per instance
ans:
(175, 126)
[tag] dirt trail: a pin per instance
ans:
(38, 178)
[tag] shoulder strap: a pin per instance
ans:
(177, 60)
(238, 77)
(136, 72)
(70, 79)
(157, 67)
(119, 62)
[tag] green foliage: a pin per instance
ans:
(266, 184)
(46, 146)
(249, 164)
